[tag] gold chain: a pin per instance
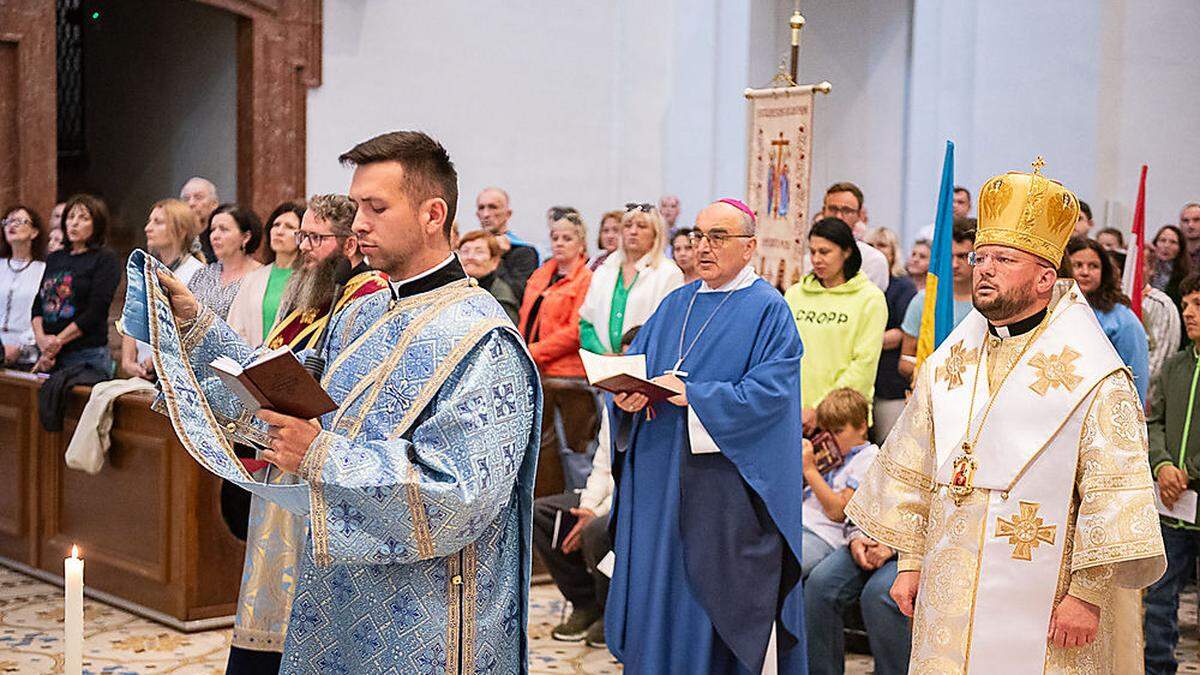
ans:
(970, 446)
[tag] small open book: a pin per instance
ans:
(275, 381)
(622, 375)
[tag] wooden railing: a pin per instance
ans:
(148, 525)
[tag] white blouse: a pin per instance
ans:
(19, 282)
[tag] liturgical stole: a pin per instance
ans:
(1026, 460)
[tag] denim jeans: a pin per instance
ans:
(813, 550)
(1161, 601)
(830, 589)
(98, 357)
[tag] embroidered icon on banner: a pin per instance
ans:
(1025, 532)
(1055, 371)
(956, 364)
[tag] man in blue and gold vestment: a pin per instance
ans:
(418, 488)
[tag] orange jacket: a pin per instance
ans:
(556, 350)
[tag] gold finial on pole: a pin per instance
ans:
(1037, 165)
(796, 22)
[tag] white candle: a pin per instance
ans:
(73, 624)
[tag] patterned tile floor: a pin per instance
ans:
(120, 643)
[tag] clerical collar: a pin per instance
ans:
(1018, 327)
(446, 272)
(744, 279)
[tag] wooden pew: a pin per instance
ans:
(148, 525)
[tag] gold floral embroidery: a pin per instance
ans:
(1025, 532)
(1055, 371)
(955, 365)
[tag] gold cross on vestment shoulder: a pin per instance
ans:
(1038, 164)
(1025, 532)
(1055, 370)
(955, 365)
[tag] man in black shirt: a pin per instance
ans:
(518, 258)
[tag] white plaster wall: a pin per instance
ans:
(1098, 88)
(591, 104)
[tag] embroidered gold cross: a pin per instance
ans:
(1055, 371)
(1025, 532)
(956, 364)
(1038, 164)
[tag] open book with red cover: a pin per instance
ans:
(275, 381)
(622, 375)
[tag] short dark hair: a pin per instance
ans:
(97, 209)
(681, 232)
(428, 171)
(1108, 294)
(38, 250)
(963, 229)
(1085, 209)
(847, 186)
(1190, 285)
(959, 188)
(297, 207)
(247, 221)
(837, 231)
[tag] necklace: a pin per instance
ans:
(963, 474)
(24, 267)
(682, 331)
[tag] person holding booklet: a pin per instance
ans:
(706, 510)
(1174, 432)
(418, 488)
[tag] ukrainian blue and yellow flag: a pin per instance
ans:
(937, 316)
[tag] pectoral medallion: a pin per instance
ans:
(962, 479)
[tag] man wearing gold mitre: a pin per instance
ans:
(1015, 486)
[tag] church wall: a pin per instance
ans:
(161, 101)
(1097, 88)
(583, 103)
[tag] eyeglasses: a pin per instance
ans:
(715, 238)
(315, 239)
(843, 210)
(638, 206)
(15, 221)
(978, 259)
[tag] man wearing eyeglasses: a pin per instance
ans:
(1015, 485)
(844, 201)
(707, 519)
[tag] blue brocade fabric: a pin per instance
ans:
(418, 490)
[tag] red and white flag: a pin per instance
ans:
(1133, 281)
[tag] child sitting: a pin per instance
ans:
(832, 479)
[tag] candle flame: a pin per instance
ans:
(75, 551)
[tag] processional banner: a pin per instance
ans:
(778, 178)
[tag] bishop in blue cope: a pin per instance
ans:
(706, 513)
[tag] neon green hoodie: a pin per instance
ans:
(842, 332)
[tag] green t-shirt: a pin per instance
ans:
(275, 284)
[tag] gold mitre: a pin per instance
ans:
(1027, 211)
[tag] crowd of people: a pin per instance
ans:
(857, 311)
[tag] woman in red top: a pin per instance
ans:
(549, 321)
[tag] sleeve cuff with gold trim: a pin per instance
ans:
(908, 562)
(313, 463)
(194, 330)
(1086, 593)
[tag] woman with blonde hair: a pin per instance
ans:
(627, 288)
(889, 384)
(169, 233)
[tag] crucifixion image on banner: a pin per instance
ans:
(778, 179)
